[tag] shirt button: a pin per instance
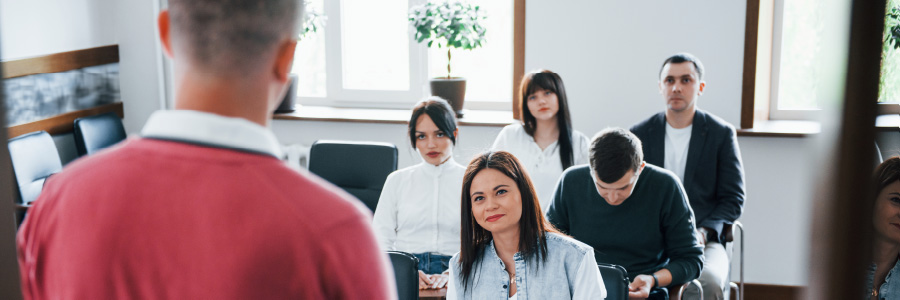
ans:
(504, 286)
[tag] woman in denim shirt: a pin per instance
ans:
(509, 251)
(884, 274)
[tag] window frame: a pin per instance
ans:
(337, 96)
(760, 78)
(775, 78)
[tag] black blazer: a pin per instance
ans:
(713, 173)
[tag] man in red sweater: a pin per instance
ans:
(201, 207)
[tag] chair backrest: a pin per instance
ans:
(616, 280)
(360, 168)
(34, 158)
(94, 133)
(406, 274)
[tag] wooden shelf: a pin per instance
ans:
(61, 62)
(63, 123)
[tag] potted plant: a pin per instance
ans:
(449, 24)
(312, 21)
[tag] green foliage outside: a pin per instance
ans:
(448, 24)
(312, 21)
(889, 91)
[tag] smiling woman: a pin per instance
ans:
(502, 222)
(882, 281)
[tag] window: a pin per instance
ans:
(365, 56)
(797, 41)
(789, 85)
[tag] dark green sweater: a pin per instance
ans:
(651, 230)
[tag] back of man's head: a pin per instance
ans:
(615, 151)
(231, 36)
(684, 57)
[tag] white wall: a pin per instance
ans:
(609, 53)
(40, 27)
(139, 61)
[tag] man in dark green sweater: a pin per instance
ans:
(634, 214)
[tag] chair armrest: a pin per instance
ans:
(728, 230)
(678, 292)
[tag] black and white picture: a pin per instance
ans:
(40, 96)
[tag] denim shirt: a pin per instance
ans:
(569, 271)
(890, 289)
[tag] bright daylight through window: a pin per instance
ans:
(802, 31)
(365, 55)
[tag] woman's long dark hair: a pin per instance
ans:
(549, 81)
(532, 225)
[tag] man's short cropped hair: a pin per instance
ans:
(684, 57)
(615, 151)
(232, 35)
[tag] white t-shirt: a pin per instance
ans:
(543, 166)
(677, 143)
(418, 210)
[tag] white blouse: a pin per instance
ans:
(543, 166)
(418, 210)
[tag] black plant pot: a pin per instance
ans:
(290, 97)
(451, 89)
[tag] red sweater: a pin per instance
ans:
(155, 219)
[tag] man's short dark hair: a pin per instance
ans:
(684, 57)
(615, 151)
(228, 36)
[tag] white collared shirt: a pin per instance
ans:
(676, 149)
(212, 130)
(543, 166)
(419, 209)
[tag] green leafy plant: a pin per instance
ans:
(889, 85)
(450, 24)
(892, 28)
(312, 21)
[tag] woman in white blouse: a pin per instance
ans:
(418, 211)
(544, 142)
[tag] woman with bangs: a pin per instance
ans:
(509, 251)
(544, 142)
(418, 211)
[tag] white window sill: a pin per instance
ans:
(494, 118)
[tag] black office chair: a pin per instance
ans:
(34, 158)
(360, 168)
(94, 133)
(406, 273)
(615, 278)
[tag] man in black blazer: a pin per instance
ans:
(702, 150)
